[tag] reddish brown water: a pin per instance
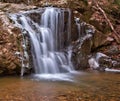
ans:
(84, 87)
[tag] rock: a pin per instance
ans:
(105, 62)
(9, 44)
(100, 39)
(81, 53)
(116, 64)
(100, 61)
(112, 51)
(82, 47)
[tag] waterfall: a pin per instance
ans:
(81, 27)
(47, 38)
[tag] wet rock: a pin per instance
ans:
(116, 64)
(105, 62)
(112, 51)
(100, 61)
(82, 47)
(81, 53)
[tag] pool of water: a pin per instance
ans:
(80, 86)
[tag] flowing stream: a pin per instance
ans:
(47, 42)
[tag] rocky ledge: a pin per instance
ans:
(10, 39)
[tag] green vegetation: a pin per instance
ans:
(117, 2)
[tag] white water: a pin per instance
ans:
(94, 61)
(46, 38)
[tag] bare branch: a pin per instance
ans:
(115, 35)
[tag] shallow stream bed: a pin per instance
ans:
(81, 86)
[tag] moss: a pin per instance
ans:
(1, 71)
(117, 2)
(85, 2)
(86, 16)
(77, 4)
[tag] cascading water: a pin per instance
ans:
(85, 31)
(46, 38)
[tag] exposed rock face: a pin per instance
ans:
(81, 54)
(9, 44)
(82, 47)
(10, 40)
